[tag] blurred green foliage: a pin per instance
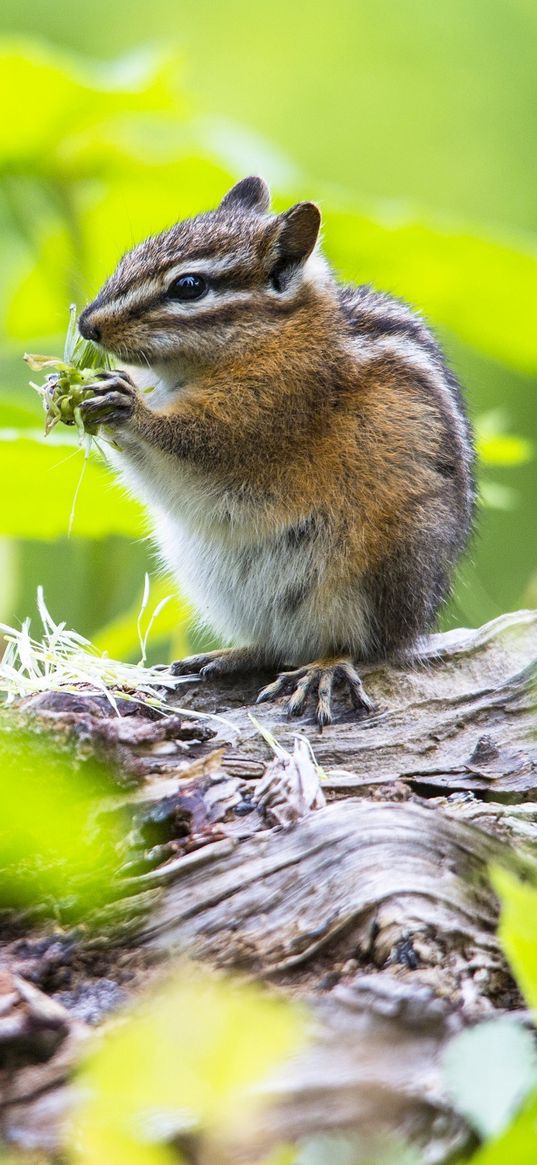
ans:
(185, 1063)
(188, 1058)
(410, 125)
(489, 1070)
(58, 853)
(48, 473)
(518, 931)
(492, 1068)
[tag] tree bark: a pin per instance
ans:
(367, 895)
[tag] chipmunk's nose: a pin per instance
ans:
(87, 329)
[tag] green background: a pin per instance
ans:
(412, 124)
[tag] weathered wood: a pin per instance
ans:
(461, 718)
(272, 901)
(376, 909)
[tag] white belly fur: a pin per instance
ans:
(243, 586)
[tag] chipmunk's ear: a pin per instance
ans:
(299, 230)
(248, 194)
(296, 238)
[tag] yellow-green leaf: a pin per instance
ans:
(50, 845)
(45, 95)
(504, 449)
(518, 930)
(189, 1055)
(38, 480)
(517, 1145)
(483, 290)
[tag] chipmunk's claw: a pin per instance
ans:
(113, 401)
(191, 665)
(317, 680)
(211, 664)
(314, 681)
(280, 687)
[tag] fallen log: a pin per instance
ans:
(368, 896)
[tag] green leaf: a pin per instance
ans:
(189, 1055)
(40, 479)
(517, 1145)
(13, 415)
(483, 290)
(518, 930)
(504, 449)
(283, 1155)
(489, 1071)
(45, 95)
(51, 849)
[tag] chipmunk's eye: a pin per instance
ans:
(187, 287)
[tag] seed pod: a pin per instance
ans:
(66, 411)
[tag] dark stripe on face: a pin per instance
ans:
(222, 314)
(140, 309)
(143, 307)
(238, 279)
(241, 274)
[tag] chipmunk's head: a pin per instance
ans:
(212, 284)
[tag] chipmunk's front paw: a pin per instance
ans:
(114, 401)
(317, 681)
(225, 661)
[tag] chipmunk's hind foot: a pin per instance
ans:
(317, 681)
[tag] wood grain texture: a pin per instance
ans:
(375, 910)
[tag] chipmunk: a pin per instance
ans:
(305, 456)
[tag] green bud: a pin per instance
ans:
(66, 410)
